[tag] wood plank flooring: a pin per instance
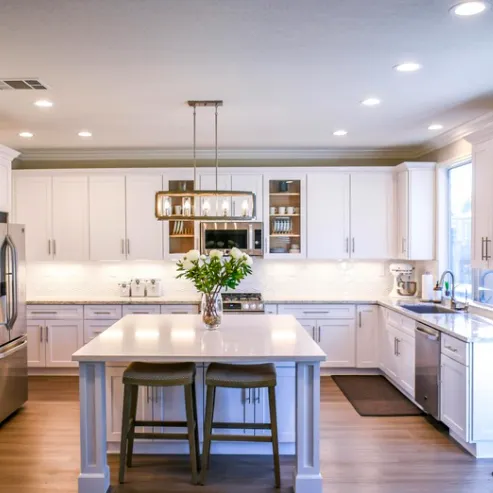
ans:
(39, 453)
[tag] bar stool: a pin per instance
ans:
(240, 377)
(159, 375)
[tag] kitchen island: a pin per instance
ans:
(177, 338)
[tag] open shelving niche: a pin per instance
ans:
(181, 232)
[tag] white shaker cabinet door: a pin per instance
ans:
(107, 217)
(328, 215)
(36, 344)
(310, 326)
(235, 405)
(63, 338)
(32, 207)
(144, 232)
(248, 183)
(337, 340)
(402, 197)
(5, 174)
(389, 352)
(70, 218)
(371, 215)
(367, 336)
(455, 401)
(406, 355)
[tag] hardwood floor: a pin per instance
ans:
(39, 454)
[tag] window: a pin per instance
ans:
(459, 230)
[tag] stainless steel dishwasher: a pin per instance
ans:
(427, 366)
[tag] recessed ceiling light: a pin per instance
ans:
(466, 9)
(84, 133)
(371, 102)
(43, 103)
(26, 135)
(435, 126)
(340, 133)
(407, 67)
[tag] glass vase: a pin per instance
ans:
(211, 308)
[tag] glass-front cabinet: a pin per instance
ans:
(285, 212)
(180, 235)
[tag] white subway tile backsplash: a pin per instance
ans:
(274, 278)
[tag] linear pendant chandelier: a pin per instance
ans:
(205, 205)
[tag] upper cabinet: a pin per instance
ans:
(350, 215)
(482, 200)
(55, 212)
(285, 229)
(7, 155)
(415, 196)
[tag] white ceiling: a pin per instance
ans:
(290, 72)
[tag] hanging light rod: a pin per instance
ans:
(205, 205)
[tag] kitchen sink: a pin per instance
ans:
(427, 309)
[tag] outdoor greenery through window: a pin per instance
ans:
(459, 197)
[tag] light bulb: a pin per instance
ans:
(244, 207)
(206, 206)
(225, 207)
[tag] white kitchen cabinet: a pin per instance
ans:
(70, 236)
(367, 336)
(455, 401)
(415, 197)
(389, 357)
(235, 405)
(32, 207)
(144, 233)
(107, 217)
(372, 222)
(405, 360)
(337, 340)
(310, 326)
(7, 155)
(36, 354)
(92, 328)
(328, 215)
(51, 343)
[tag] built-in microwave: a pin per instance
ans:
(223, 236)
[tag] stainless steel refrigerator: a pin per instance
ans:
(13, 328)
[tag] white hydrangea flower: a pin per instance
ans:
(187, 264)
(193, 255)
(216, 254)
(236, 253)
(248, 259)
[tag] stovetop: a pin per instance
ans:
(243, 302)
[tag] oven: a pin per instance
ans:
(247, 236)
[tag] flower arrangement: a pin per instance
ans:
(210, 274)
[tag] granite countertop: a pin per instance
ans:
(161, 338)
(182, 299)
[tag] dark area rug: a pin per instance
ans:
(374, 395)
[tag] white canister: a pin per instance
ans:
(124, 288)
(153, 287)
(138, 287)
(427, 287)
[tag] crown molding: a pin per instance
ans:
(460, 132)
(8, 153)
(186, 153)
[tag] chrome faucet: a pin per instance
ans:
(453, 302)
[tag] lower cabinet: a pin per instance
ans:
(92, 328)
(51, 343)
(455, 397)
(367, 336)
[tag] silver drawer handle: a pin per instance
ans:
(316, 313)
(454, 350)
(179, 313)
(102, 313)
(44, 313)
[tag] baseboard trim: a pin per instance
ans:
(53, 372)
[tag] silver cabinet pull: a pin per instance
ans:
(102, 313)
(311, 312)
(359, 317)
(123, 247)
(54, 247)
(49, 247)
(40, 333)
(128, 246)
(397, 347)
(482, 247)
(353, 245)
(47, 332)
(347, 245)
(313, 333)
(487, 256)
(450, 348)
(257, 399)
(319, 333)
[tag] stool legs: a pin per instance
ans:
(209, 412)
(192, 426)
(275, 440)
(196, 429)
(133, 417)
(127, 401)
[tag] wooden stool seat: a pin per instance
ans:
(159, 375)
(240, 377)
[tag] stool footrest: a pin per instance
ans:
(162, 436)
(174, 424)
(240, 438)
(241, 426)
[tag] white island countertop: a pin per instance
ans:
(160, 338)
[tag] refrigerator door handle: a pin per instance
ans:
(11, 349)
(13, 266)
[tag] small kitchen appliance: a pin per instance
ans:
(243, 302)
(403, 286)
(124, 289)
(154, 287)
(138, 287)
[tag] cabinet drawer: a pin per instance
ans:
(141, 309)
(92, 328)
(394, 319)
(94, 312)
(270, 309)
(408, 326)
(455, 349)
(318, 311)
(179, 309)
(55, 312)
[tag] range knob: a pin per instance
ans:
(260, 306)
(246, 306)
(253, 306)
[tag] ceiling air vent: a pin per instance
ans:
(21, 84)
